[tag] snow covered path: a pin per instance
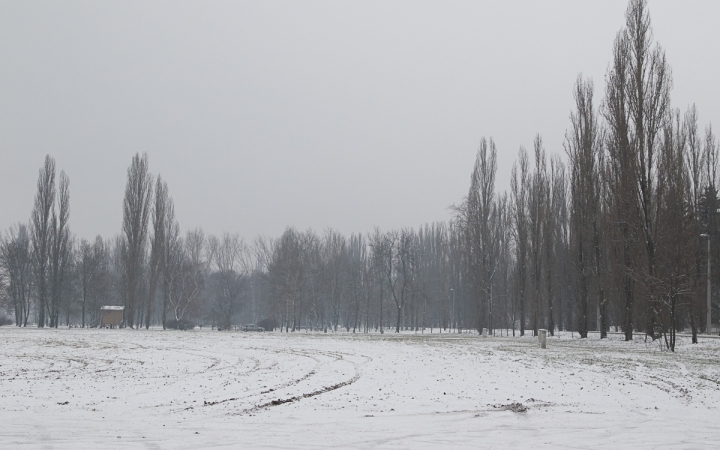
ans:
(153, 389)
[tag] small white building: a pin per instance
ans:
(111, 316)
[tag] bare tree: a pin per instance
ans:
(583, 147)
(382, 264)
(195, 269)
(60, 249)
(157, 244)
(504, 308)
(636, 106)
(402, 261)
(536, 215)
(186, 277)
(313, 287)
(554, 201)
(230, 260)
(357, 258)
(676, 234)
(710, 208)
(171, 258)
(136, 212)
(621, 176)
(694, 160)
(335, 251)
(519, 188)
(16, 263)
(287, 274)
(474, 216)
(91, 271)
(42, 233)
(650, 82)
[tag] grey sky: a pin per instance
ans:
(314, 114)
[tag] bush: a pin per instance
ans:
(182, 324)
(268, 324)
(4, 320)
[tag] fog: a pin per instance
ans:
(261, 115)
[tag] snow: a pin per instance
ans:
(80, 389)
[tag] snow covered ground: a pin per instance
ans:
(152, 389)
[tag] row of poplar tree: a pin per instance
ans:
(612, 235)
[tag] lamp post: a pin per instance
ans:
(709, 304)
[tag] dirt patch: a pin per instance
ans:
(514, 407)
(207, 403)
(282, 401)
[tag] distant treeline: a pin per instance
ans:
(615, 235)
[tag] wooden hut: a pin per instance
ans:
(111, 316)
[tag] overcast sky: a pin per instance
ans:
(348, 115)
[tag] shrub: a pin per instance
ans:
(182, 324)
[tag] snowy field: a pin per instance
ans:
(80, 389)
